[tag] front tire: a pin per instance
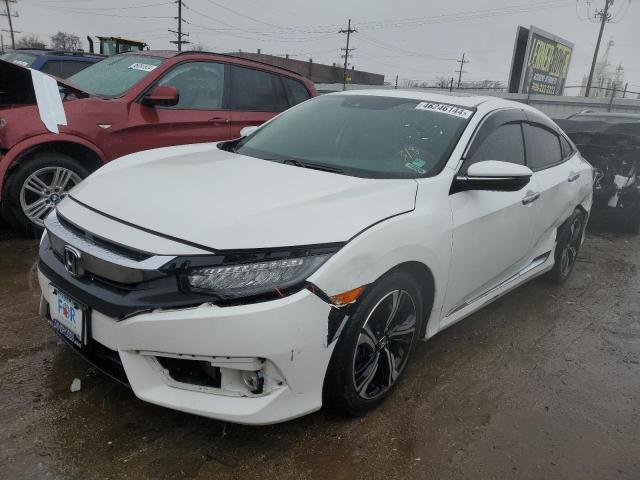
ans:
(567, 247)
(36, 186)
(375, 347)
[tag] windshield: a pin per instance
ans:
(114, 75)
(367, 136)
(19, 58)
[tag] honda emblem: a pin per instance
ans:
(73, 261)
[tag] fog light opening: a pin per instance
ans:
(253, 380)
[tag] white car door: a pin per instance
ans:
(492, 230)
(557, 174)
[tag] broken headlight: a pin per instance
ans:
(250, 279)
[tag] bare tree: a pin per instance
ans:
(442, 82)
(30, 41)
(65, 41)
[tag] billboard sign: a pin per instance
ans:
(540, 62)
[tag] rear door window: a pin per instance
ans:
(567, 150)
(296, 91)
(257, 91)
(544, 147)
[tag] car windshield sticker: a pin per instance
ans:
(416, 166)
(444, 108)
(142, 66)
(21, 63)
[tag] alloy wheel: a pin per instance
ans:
(43, 189)
(384, 344)
(570, 250)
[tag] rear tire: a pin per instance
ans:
(633, 223)
(36, 185)
(375, 347)
(567, 247)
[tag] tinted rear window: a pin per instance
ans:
(545, 147)
(19, 58)
(64, 68)
(257, 91)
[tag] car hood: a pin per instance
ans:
(226, 201)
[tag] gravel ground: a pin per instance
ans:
(544, 383)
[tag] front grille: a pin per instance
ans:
(127, 252)
(103, 259)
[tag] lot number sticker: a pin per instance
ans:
(142, 66)
(444, 108)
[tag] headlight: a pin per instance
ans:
(249, 279)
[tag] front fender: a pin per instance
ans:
(401, 239)
(26, 145)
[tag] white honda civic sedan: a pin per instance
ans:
(257, 279)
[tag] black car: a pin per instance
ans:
(611, 143)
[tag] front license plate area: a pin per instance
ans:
(67, 316)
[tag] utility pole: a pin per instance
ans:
(460, 72)
(8, 14)
(347, 51)
(605, 16)
(179, 42)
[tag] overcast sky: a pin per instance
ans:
(415, 39)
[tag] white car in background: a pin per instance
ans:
(255, 280)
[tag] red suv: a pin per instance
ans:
(127, 103)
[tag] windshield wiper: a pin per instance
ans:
(313, 166)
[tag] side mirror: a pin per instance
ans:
(493, 175)
(245, 131)
(162, 96)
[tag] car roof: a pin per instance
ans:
(173, 53)
(456, 98)
(51, 52)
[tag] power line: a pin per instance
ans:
(347, 51)
(89, 9)
(101, 14)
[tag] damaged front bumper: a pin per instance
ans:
(166, 356)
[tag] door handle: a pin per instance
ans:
(531, 197)
(218, 120)
(573, 176)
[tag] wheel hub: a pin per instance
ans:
(383, 346)
(43, 189)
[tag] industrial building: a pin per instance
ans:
(316, 72)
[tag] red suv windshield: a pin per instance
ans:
(114, 75)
